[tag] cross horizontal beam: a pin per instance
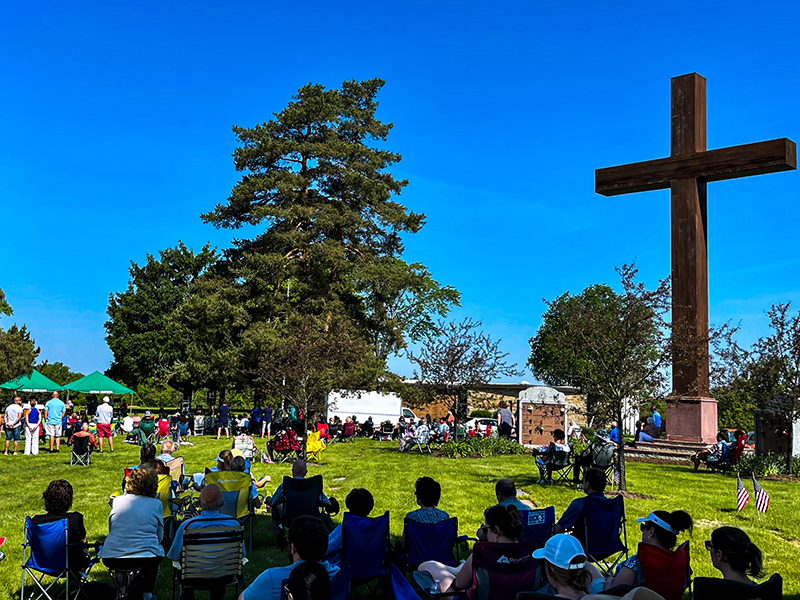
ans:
(713, 165)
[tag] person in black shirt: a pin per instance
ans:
(223, 422)
(57, 502)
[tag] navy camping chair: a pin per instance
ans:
(604, 520)
(706, 588)
(430, 541)
(365, 544)
(537, 523)
(45, 554)
(401, 588)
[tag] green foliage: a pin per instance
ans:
(766, 465)
(735, 407)
(481, 448)
(482, 414)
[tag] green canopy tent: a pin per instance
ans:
(97, 383)
(33, 383)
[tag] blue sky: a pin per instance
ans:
(116, 135)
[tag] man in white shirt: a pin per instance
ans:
(13, 421)
(104, 416)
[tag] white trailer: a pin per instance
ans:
(381, 407)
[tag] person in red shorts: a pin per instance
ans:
(104, 415)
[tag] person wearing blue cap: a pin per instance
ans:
(659, 528)
(567, 569)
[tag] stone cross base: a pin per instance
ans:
(692, 419)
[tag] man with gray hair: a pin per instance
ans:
(211, 501)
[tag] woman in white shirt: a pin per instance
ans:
(135, 529)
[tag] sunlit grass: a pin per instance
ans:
(468, 488)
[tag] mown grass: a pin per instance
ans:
(468, 487)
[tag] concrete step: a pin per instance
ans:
(669, 446)
(634, 453)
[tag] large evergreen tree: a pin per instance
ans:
(18, 351)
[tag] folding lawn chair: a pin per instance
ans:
(322, 428)
(666, 572)
(385, 432)
(210, 557)
(537, 523)
(334, 429)
(314, 447)
(81, 453)
(561, 464)
(165, 492)
(45, 555)
(237, 500)
(246, 445)
(603, 459)
(430, 541)
(714, 588)
(605, 521)
(365, 545)
(176, 472)
(286, 446)
(422, 438)
(348, 432)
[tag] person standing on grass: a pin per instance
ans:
(32, 423)
(13, 422)
(266, 421)
(505, 419)
(223, 419)
(53, 420)
(105, 415)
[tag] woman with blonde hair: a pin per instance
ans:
(135, 529)
(567, 569)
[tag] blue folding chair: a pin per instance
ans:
(604, 520)
(537, 523)
(365, 543)
(401, 588)
(430, 541)
(45, 554)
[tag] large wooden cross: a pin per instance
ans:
(686, 172)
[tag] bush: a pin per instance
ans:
(482, 414)
(769, 464)
(482, 448)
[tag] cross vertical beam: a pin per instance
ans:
(689, 241)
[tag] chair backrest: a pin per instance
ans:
(604, 518)
(349, 429)
(211, 552)
(364, 543)
(235, 488)
(430, 541)
(666, 572)
(423, 435)
(80, 444)
(48, 545)
(176, 469)
(717, 589)
(302, 497)
(726, 451)
(537, 523)
(602, 454)
(245, 445)
(502, 570)
(561, 458)
(322, 428)
(147, 426)
(314, 443)
(287, 441)
(164, 494)
(163, 427)
(739, 448)
(387, 429)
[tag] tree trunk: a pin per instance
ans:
(789, 447)
(623, 484)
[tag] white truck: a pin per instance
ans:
(381, 407)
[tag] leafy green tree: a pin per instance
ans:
(143, 333)
(58, 372)
(613, 346)
(459, 358)
(18, 351)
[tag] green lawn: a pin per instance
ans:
(468, 487)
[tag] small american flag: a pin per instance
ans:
(615, 478)
(744, 497)
(762, 498)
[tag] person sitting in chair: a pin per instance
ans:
(506, 493)
(211, 501)
(660, 528)
(421, 436)
(145, 427)
(299, 471)
(238, 463)
(57, 502)
(428, 493)
(359, 502)
(84, 432)
(546, 453)
(713, 453)
(594, 484)
(167, 448)
(598, 447)
(567, 569)
(308, 542)
(734, 555)
(502, 525)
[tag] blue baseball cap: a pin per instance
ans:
(562, 551)
(655, 520)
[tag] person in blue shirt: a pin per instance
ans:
(506, 493)
(594, 484)
(657, 418)
(53, 420)
(428, 493)
(359, 502)
(211, 501)
(308, 542)
(613, 435)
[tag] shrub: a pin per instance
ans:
(769, 464)
(482, 414)
(482, 447)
